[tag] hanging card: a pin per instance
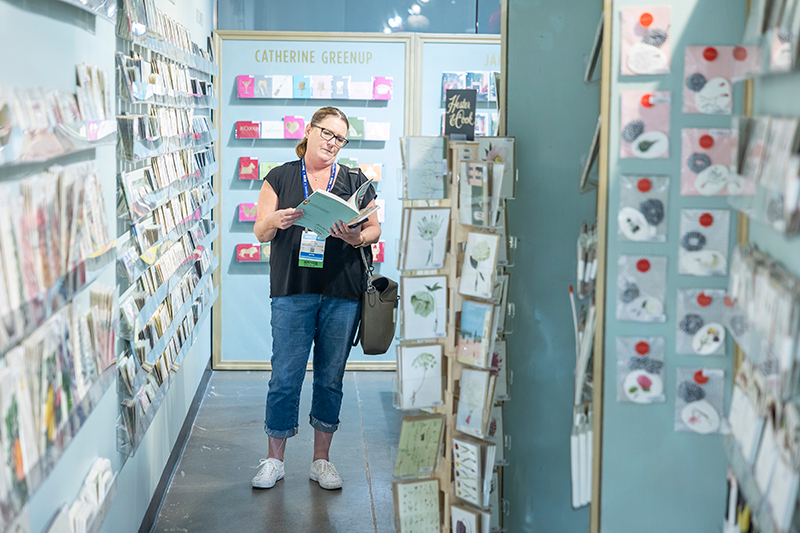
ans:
(640, 370)
(704, 242)
(381, 88)
(248, 130)
(642, 214)
(321, 87)
(418, 449)
(245, 86)
(475, 337)
(646, 42)
(480, 260)
(248, 168)
(377, 131)
(641, 288)
(705, 164)
(372, 171)
(424, 307)
(273, 129)
(340, 88)
(699, 398)
(701, 317)
(420, 375)
(645, 124)
(282, 86)
(293, 127)
(247, 212)
(424, 238)
(263, 87)
(379, 252)
(707, 80)
(301, 86)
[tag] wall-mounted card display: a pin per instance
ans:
(641, 288)
(479, 187)
(477, 274)
(704, 242)
(424, 238)
(162, 83)
(424, 307)
(776, 26)
(482, 82)
(701, 317)
(313, 86)
(699, 398)
(293, 127)
(417, 506)
(253, 253)
(642, 212)
(476, 336)
(473, 464)
(705, 164)
(475, 400)
(424, 167)
(248, 212)
(640, 370)
(420, 443)
(165, 130)
(419, 370)
(645, 124)
(379, 250)
(646, 44)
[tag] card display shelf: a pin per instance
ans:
(764, 45)
(40, 145)
(147, 93)
(105, 9)
(148, 203)
(170, 51)
(37, 310)
(75, 421)
(141, 149)
(130, 446)
(99, 518)
(759, 207)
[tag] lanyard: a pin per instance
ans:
(305, 177)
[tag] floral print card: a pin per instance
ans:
(642, 214)
(699, 399)
(641, 288)
(704, 242)
(424, 307)
(644, 118)
(701, 317)
(480, 260)
(640, 370)
(705, 164)
(707, 86)
(420, 370)
(500, 150)
(424, 237)
(645, 40)
(472, 401)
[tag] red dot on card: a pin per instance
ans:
(646, 19)
(728, 301)
(706, 141)
(706, 220)
(643, 265)
(710, 53)
(642, 348)
(703, 300)
(700, 378)
(740, 53)
(644, 185)
(646, 100)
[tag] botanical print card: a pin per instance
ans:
(698, 402)
(641, 288)
(473, 193)
(272, 129)
(707, 87)
(381, 88)
(472, 400)
(425, 238)
(495, 433)
(282, 87)
(248, 130)
(640, 370)
(480, 260)
(500, 367)
(321, 87)
(424, 307)
(464, 520)
(377, 131)
(248, 253)
(263, 87)
(340, 88)
(704, 242)
(645, 40)
(293, 127)
(642, 214)
(245, 86)
(424, 167)
(467, 470)
(500, 150)
(475, 335)
(372, 171)
(356, 131)
(248, 168)
(417, 506)
(645, 124)
(420, 373)
(361, 90)
(247, 212)
(418, 450)
(706, 164)
(701, 316)
(301, 86)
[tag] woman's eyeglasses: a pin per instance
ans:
(327, 135)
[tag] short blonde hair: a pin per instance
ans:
(319, 116)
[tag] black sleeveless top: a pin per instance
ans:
(342, 274)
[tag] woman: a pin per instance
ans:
(311, 301)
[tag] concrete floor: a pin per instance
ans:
(211, 490)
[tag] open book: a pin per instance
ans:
(323, 209)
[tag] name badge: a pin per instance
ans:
(312, 250)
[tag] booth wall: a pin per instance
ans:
(553, 116)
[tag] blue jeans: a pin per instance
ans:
(297, 320)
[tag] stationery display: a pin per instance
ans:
(162, 83)
(305, 87)
(293, 127)
(482, 82)
(645, 124)
(643, 211)
(646, 44)
(641, 288)
(775, 26)
(640, 370)
(704, 242)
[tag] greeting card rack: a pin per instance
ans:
(462, 257)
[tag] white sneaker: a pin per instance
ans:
(271, 472)
(325, 474)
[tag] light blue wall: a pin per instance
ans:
(553, 116)
(652, 475)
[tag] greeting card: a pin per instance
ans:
(348, 162)
(424, 238)
(371, 170)
(420, 374)
(245, 86)
(356, 130)
(645, 124)
(495, 433)
(705, 164)
(464, 520)
(701, 317)
(321, 87)
(247, 212)
(293, 127)
(424, 167)
(381, 203)
(265, 166)
(476, 394)
(379, 252)
(272, 129)
(645, 40)
(698, 402)
(301, 86)
(248, 168)
(479, 81)
(641, 288)
(418, 448)
(642, 214)
(282, 86)
(361, 90)
(500, 150)
(475, 336)
(480, 260)
(248, 130)
(263, 87)
(340, 88)
(424, 307)
(381, 88)
(417, 506)
(704, 242)
(746, 62)
(246, 253)
(708, 72)
(640, 370)
(377, 131)
(453, 80)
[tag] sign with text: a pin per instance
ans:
(460, 112)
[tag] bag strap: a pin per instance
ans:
(370, 269)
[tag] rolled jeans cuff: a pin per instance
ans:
(322, 426)
(280, 434)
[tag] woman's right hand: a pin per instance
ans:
(284, 218)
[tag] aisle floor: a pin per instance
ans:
(210, 490)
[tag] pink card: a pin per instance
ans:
(248, 168)
(246, 86)
(247, 253)
(746, 62)
(381, 88)
(247, 212)
(248, 130)
(379, 252)
(645, 41)
(293, 127)
(705, 164)
(645, 125)
(707, 87)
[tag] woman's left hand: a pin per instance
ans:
(348, 235)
